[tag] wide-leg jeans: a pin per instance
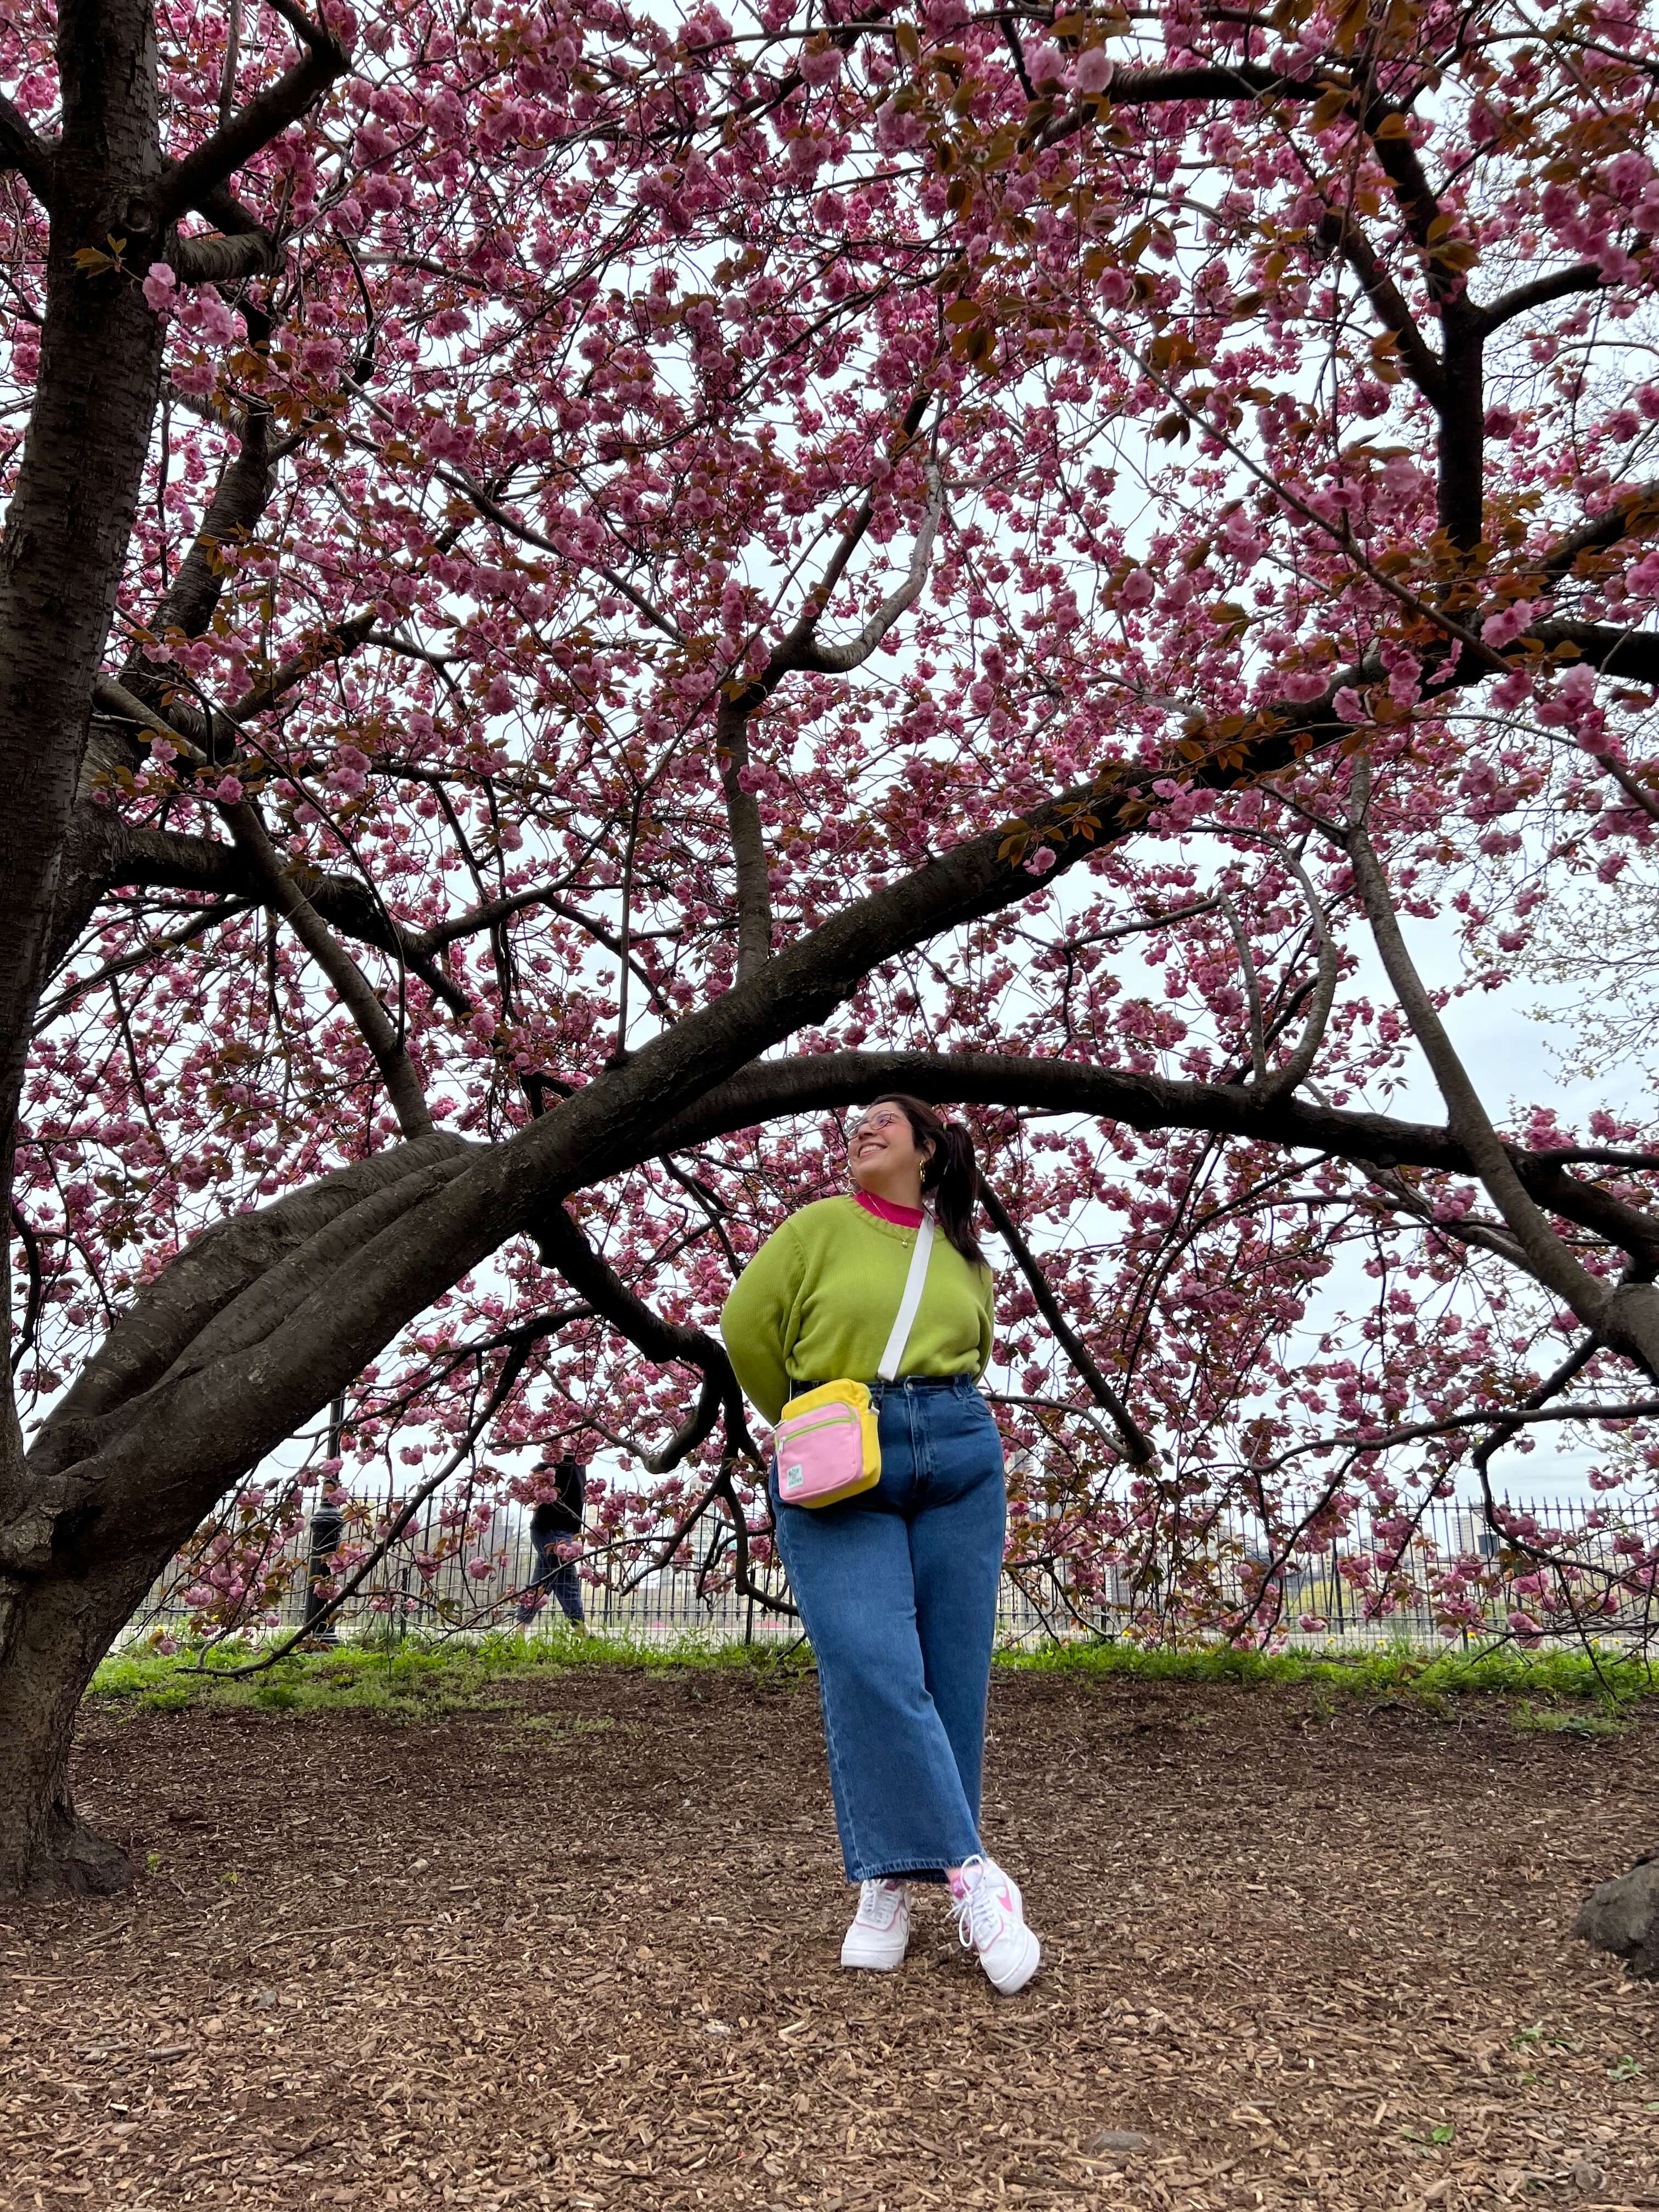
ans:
(898, 1589)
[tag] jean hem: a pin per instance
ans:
(909, 1870)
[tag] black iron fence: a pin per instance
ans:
(1360, 1587)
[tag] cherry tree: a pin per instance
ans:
(583, 591)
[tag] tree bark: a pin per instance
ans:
(70, 517)
(52, 1634)
(66, 536)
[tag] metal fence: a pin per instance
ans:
(1038, 1602)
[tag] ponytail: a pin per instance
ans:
(951, 1178)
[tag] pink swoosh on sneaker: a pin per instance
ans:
(1008, 1903)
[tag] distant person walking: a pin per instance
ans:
(897, 1583)
(327, 1529)
(554, 1521)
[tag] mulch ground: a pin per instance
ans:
(580, 1951)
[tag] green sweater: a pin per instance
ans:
(818, 1300)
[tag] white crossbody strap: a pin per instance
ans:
(913, 1283)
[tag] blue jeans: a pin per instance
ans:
(559, 1578)
(898, 1589)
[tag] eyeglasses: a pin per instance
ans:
(870, 1122)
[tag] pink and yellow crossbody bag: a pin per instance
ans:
(826, 1441)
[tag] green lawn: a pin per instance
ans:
(423, 1676)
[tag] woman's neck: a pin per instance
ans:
(887, 1209)
(894, 1186)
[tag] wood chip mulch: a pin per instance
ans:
(579, 1950)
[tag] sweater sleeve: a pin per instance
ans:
(755, 1320)
(986, 1320)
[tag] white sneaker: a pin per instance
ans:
(878, 1936)
(990, 1916)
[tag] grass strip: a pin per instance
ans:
(423, 1677)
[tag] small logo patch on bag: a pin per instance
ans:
(794, 1476)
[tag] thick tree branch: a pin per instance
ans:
(816, 1081)
(283, 895)
(1629, 652)
(21, 149)
(1341, 231)
(1252, 987)
(1467, 1117)
(1632, 516)
(1144, 87)
(217, 158)
(239, 501)
(279, 889)
(283, 1246)
(225, 260)
(840, 659)
(561, 1245)
(1540, 292)
(288, 1340)
(746, 831)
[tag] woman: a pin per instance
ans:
(897, 1586)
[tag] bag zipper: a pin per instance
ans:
(834, 1421)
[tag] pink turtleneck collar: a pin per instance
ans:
(904, 1216)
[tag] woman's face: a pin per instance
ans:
(883, 1153)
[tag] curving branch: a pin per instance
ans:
(813, 1082)
(799, 652)
(1252, 987)
(1339, 231)
(213, 163)
(561, 1245)
(224, 260)
(1296, 1069)
(840, 659)
(385, 1039)
(492, 911)
(240, 500)
(279, 889)
(1635, 1330)
(746, 831)
(1137, 1446)
(21, 149)
(30, 1244)
(1540, 292)
(1634, 515)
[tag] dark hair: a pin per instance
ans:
(950, 1176)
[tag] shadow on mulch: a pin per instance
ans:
(578, 1950)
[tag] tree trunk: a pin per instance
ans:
(53, 1631)
(70, 517)
(66, 536)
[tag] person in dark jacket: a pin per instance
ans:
(556, 1521)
